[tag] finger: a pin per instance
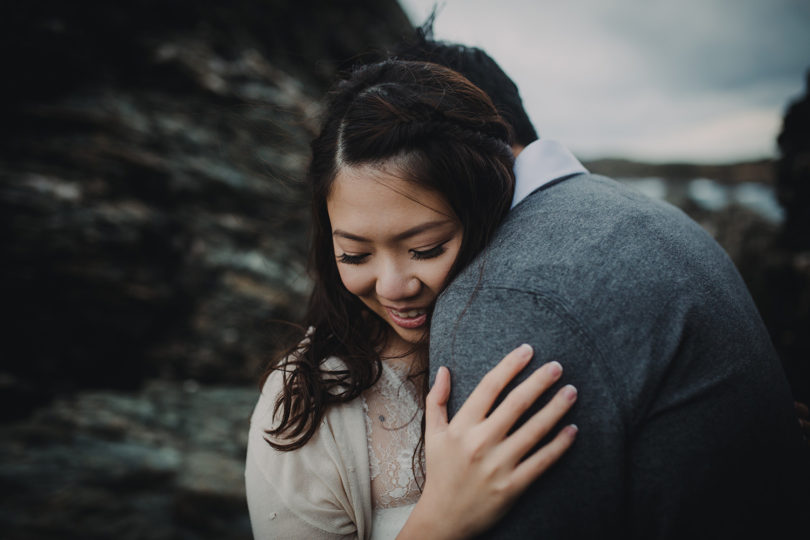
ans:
(540, 424)
(481, 399)
(521, 398)
(536, 464)
(436, 402)
(801, 410)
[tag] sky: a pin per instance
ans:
(704, 81)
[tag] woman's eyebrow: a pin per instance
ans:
(413, 231)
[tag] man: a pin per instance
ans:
(686, 421)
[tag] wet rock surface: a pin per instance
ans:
(164, 462)
(154, 222)
(794, 171)
(153, 226)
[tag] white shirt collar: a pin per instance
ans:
(541, 162)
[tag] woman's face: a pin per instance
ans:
(394, 243)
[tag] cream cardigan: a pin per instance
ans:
(320, 491)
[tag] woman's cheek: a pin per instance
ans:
(439, 275)
(356, 279)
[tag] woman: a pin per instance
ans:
(410, 175)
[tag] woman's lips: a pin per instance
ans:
(412, 318)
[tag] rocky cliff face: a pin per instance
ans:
(153, 219)
(794, 171)
(165, 462)
(153, 227)
(782, 285)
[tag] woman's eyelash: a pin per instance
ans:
(428, 253)
(352, 259)
(415, 254)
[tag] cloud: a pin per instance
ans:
(694, 79)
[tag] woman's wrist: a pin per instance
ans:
(424, 524)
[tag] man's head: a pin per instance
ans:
(480, 69)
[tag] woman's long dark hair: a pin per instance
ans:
(445, 135)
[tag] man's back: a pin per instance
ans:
(685, 416)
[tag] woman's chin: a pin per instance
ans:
(403, 340)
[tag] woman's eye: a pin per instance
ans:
(352, 259)
(428, 253)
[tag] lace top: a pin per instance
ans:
(393, 428)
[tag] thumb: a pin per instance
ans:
(436, 402)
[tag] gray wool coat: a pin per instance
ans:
(686, 420)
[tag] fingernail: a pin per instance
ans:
(554, 368)
(438, 375)
(572, 429)
(526, 348)
(570, 392)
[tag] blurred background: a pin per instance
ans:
(154, 224)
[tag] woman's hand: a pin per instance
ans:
(474, 470)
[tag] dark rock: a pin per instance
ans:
(153, 226)
(794, 171)
(759, 171)
(162, 462)
(153, 219)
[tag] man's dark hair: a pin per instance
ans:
(479, 68)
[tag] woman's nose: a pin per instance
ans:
(396, 283)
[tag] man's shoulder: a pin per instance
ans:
(592, 250)
(586, 226)
(590, 201)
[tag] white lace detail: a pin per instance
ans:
(393, 428)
